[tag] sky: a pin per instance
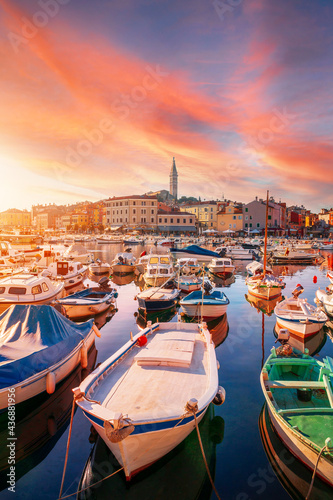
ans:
(96, 98)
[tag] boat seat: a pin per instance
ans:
(167, 350)
(305, 309)
(294, 384)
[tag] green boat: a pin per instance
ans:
(299, 396)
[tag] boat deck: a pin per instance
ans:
(158, 392)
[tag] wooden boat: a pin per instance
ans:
(256, 267)
(299, 396)
(71, 273)
(99, 268)
(298, 316)
(157, 298)
(159, 270)
(292, 474)
(221, 267)
(188, 284)
(88, 302)
(123, 263)
(208, 304)
(325, 298)
(187, 266)
(177, 362)
(28, 289)
(169, 476)
(288, 256)
(40, 347)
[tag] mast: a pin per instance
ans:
(265, 248)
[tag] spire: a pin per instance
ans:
(174, 180)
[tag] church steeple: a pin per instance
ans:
(174, 180)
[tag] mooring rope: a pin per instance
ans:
(204, 457)
(314, 473)
(67, 447)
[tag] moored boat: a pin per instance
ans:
(299, 396)
(178, 364)
(28, 289)
(159, 270)
(88, 302)
(71, 273)
(99, 268)
(40, 347)
(325, 298)
(157, 298)
(208, 304)
(221, 267)
(123, 263)
(298, 316)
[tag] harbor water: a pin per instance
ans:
(247, 460)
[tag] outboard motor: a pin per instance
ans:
(207, 287)
(104, 282)
(298, 290)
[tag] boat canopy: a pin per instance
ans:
(34, 338)
(195, 249)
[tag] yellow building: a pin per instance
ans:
(205, 213)
(230, 218)
(80, 219)
(15, 218)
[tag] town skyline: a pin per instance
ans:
(97, 100)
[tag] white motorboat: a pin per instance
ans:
(188, 284)
(88, 302)
(78, 253)
(159, 270)
(299, 317)
(177, 362)
(256, 267)
(237, 252)
(28, 289)
(71, 273)
(221, 267)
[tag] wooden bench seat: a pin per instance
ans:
(293, 384)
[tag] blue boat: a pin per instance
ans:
(202, 254)
(88, 302)
(39, 348)
(208, 305)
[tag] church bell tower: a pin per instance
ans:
(174, 180)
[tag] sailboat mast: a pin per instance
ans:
(265, 247)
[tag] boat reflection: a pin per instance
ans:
(219, 281)
(40, 422)
(219, 329)
(292, 474)
(181, 474)
(120, 280)
(314, 343)
(262, 305)
(104, 317)
(154, 317)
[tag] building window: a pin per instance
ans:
(246, 217)
(134, 203)
(160, 220)
(269, 217)
(234, 217)
(178, 221)
(191, 221)
(152, 219)
(250, 224)
(165, 221)
(258, 224)
(250, 217)
(152, 211)
(184, 221)
(246, 224)
(171, 220)
(133, 210)
(133, 219)
(246, 210)
(240, 217)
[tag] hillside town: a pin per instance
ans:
(163, 212)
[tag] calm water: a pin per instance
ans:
(233, 434)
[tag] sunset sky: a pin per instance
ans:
(97, 97)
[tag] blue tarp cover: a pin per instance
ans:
(195, 249)
(33, 338)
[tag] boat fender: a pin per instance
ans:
(315, 279)
(219, 397)
(142, 341)
(117, 435)
(96, 330)
(51, 426)
(84, 356)
(50, 383)
(116, 295)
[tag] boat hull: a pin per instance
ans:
(301, 449)
(156, 281)
(122, 269)
(208, 311)
(265, 292)
(37, 383)
(130, 452)
(298, 328)
(156, 305)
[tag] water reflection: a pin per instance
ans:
(292, 474)
(181, 474)
(314, 343)
(219, 329)
(40, 422)
(117, 279)
(154, 317)
(262, 305)
(219, 281)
